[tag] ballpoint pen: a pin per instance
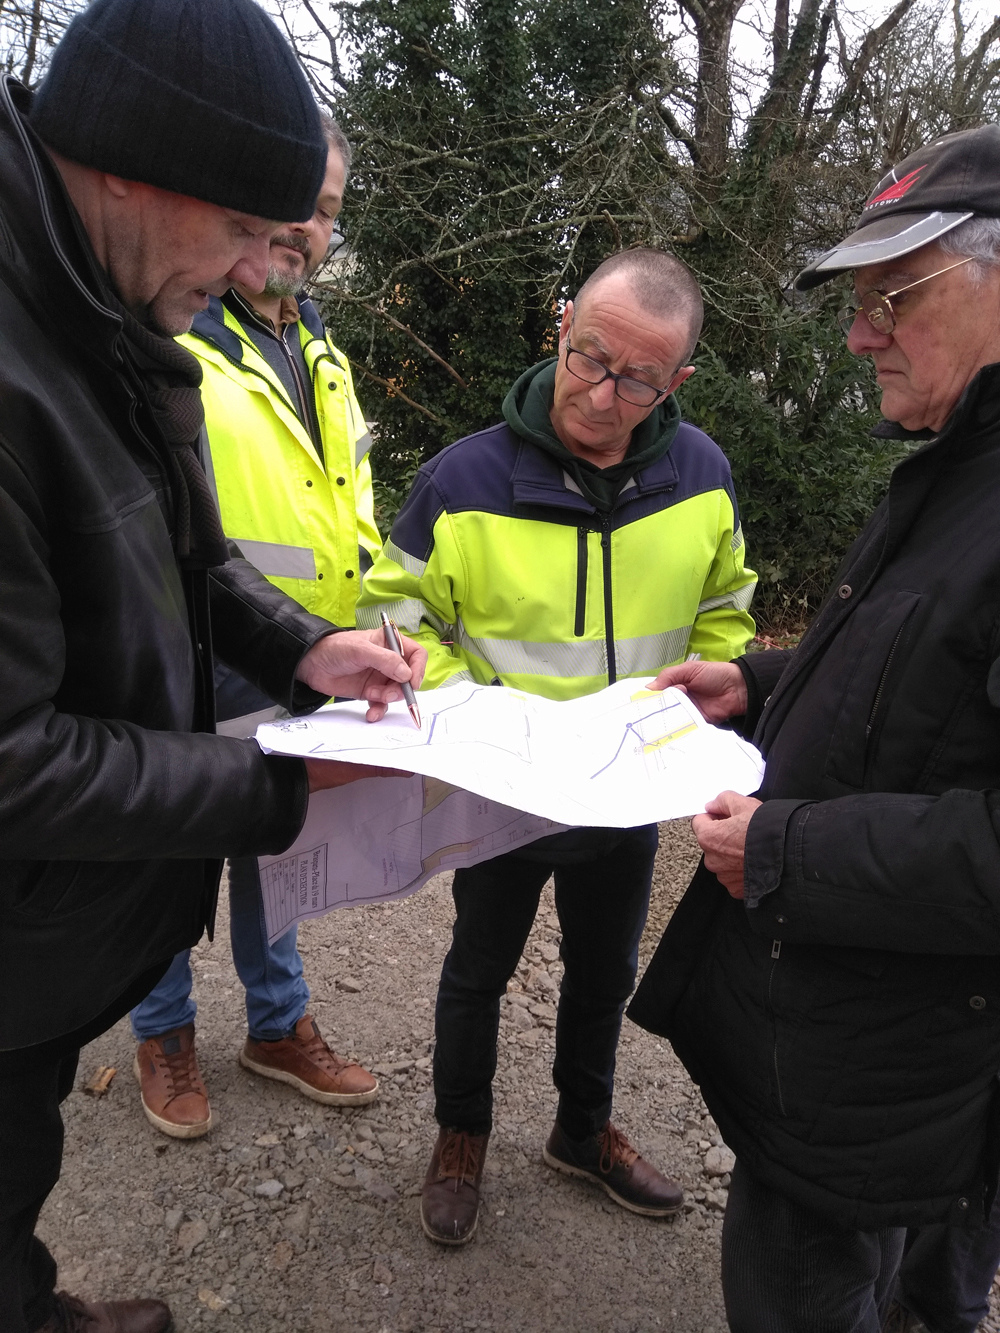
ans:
(394, 642)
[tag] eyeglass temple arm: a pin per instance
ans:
(968, 260)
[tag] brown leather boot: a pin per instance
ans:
(304, 1060)
(173, 1094)
(76, 1316)
(449, 1200)
(609, 1160)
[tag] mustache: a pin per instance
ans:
(293, 242)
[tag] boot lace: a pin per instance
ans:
(181, 1070)
(615, 1150)
(461, 1154)
(316, 1049)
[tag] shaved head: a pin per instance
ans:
(660, 283)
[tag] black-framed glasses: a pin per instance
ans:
(875, 304)
(630, 390)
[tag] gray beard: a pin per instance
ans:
(282, 283)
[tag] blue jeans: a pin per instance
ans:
(276, 992)
(603, 878)
(947, 1272)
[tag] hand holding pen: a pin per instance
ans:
(356, 664)
(393, 642)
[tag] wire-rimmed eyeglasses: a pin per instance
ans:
(630, 390)
(875, 304)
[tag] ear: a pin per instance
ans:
(119, 187)
(684, 373)
(567, 320)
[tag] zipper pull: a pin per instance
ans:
(776, 949)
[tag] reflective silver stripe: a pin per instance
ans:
(514, 657)
(459, 678)
(737, 540)
(407, 614)
(651, 651)
(361, 446)
(406, 561)
(737, 601)
(280, 562)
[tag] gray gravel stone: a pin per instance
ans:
(342, 1251)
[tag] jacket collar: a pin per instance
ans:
(537, 479)
(45, 253)
(211, 326)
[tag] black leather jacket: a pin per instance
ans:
(116, 801)
(845, 1022)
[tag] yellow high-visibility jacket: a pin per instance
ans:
(498, 552)
(309, 526)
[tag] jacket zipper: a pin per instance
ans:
(775, 955)
(609, 610)
(581, 581)
(308, 414)
(882, 679)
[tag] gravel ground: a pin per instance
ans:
(292, 1216)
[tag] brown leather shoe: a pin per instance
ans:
(76, 1316)
(304, 1060)
(609, 1160)
(449, 1199)
(173, 1094)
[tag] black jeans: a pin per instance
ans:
(786, 1270)
(602, 879)
(947, 1272)
(33, 1083)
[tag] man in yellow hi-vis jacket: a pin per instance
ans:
(287, 452)
(590, 537)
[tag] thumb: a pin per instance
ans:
(722, 806)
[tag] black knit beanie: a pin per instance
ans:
(202, 97)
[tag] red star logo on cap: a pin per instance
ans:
(898, 189)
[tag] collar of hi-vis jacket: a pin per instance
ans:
(211, 326)
(537, 479)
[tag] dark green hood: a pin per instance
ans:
(526, 410)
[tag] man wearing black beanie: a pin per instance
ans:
(137, 182)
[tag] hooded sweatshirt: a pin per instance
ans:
(527, 411)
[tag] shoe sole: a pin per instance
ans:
(327, 1098)
(195, 1131)
(448, 1240)
(643, 1211)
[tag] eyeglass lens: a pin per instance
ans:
(877, 309)
(592, 372)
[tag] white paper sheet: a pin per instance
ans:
(384, 838)
(619, 758)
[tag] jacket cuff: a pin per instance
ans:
(764, 855)
(289, 784)
(761, 671)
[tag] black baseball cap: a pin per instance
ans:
(916, 202)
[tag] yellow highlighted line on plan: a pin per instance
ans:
(670, 736)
